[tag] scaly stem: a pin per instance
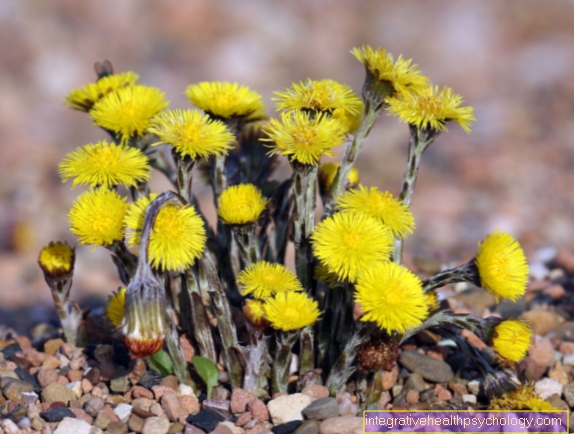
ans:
(184, 178)
(464, 273)
(244, 236)
(125, 261)
(307, 354)
(69, 312)
(284, 346)
(257, 369)
(176, 354)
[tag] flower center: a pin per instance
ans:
(352, 240)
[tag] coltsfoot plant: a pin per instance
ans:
(342, 315)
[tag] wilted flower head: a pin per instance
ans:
(304, 137)
(291, 310)
(265, 279)
(502, 266)
(226, 100)
(192, 133)
(57, 260)
(86, 96)
(392, 297)
(381, 205)
(241, 204)
(254, 312)
(432, 109)
(105, 164)
(511, 339)
(128, 111)
(97, 217)
(328, 171)
(522, 398)
(116, 307)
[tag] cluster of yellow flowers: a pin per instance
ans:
(356, 247)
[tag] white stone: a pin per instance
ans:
(538, 270)
(76, 387)
(123, 411)
(156, 425)
(473, 387)
(234, 429)
(469, 398)
(288, 408)
(9, 427)
(547, 387)
(546, 254)
(568, 359)
(73, 426)
(397, 389)
(185, 390)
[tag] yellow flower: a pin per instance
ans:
(241, 204)
(191, 133)
(381, 205)
(97, 217)
(432, 301)
(128, 111)
(328, 171)
(105, 164)
(349, 243)
(265, 279)
(511, 340)
(86, 96)
(502, 266)
(392, 297)
(225, 100)
(254, 311)
(351, 120)
(135, 215)
(432, 109)
(305, 138)
(400, 76)
(177, 239)
(319, 95)
(522, 398)
(56, 259)
(116, 307)
(291, 311)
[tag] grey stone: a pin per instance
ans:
(322, 408)
(428, 367)
(135, 423)
(565, 331)
(156, 425)
(117, 428)
(415, 382)
(56, 392)
(308, 427)
(120, 381)
(568, 393)
(94, 406)
(56, 414)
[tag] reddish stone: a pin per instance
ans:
(315, 392)
(189, 404)
(243, 418)
(441, 393)
(188, 350)
(258, 410)
(566, 347)
(141, 392)
(412, 396)
(239, 400)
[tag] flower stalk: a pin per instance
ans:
(282, 363)
(465, 273)
(244, 237)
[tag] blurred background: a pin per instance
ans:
(513, 61)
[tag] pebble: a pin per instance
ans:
(56, 392)
(308, 427)
(218, 405)
(191, 429)
(219, 392)
(171, 406)
(315, 391)
(390, 378)
(428, 367)
(568, 392)
(150, 378)
(286, 428)
(259, 410)
(120, 381)
(541, 322)
(123, 411)
(135, 423)
(412, 396)
(73, 426)
(471, 399)
(93, 406)
(415, 382)
(14, 388)
(207, 420)
(47, 376)
(9, 427)
(346, 405)
(76, 388)
(52, 346)
(239, 400)
(81, 414)
(189, 403)
(56, 414)
(222, 429)
(102, 420)
(117, 428)
(342, 425)
(287, 408)
(565, 331)
(384, 400)
(322, 408)
(557, 373)
(547, 387)
(156, 425)
(396, 390)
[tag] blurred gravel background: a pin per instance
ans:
(512, 60)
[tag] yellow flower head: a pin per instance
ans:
(351, 120)
(254, 312)
(349, 243)
(241, 204)
(128, 111)
(432, 109)
(401, 76)
(291, 310)
(57, 259)
(319, 95)
(381, 205)
(391, 296)
(134, 218)
(105, 164)
(511, 339)
(116, 307)
(432, 301)
(192, 133)
(86, 96)
(502, 266)
(305, 138)
(522, 398)
(225, 100)
(97, 217)
(265, 279)
(328, 171)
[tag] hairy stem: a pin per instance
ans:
(284, 346)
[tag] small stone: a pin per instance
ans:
(93, 406)
(107, 370)
(86, 386)
(429, 368)
(135, 423)
(384, 399)
(556, 402)
(473, 387)
(243, 418)
(259, 410)
(541, 322)
(207, 420)
(540, 357)
(8, 373)
(189, 404)
(119, 381)
(441, 393)
(56, 392)
(156, 425)
(566, 347)
(9, 427)
(565, 331)
(156, 409)
(220, 392)
(73, 426)
(315, 391)
(396, 390)
(412, 396)
(347, 406)
(219, 406)
(557, 373)
(136, 370)
(14, 389)
(141, 392)
(51, 362)
(38, 423)
(287, 427)
(75, 387)
(81, 414)
(308, 427)
(457, 388)
(568, 392)
(415, 382)
(56, 414)
(117, 428)
(102, 420)
(342, 425)
(123, 411)
(547, 387)
(322, 408)
(175, 427)
(170, 381)
(232, 427)
(52, 346)
(74, 375)
(158, 391)
(221, 429)
(239, 400)
(191, 429)
(93, 375)
(471, 399)
(390, 378)
(171, 406)
(287, 408)
(150, 378)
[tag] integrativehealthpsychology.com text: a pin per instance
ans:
(464, 421)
